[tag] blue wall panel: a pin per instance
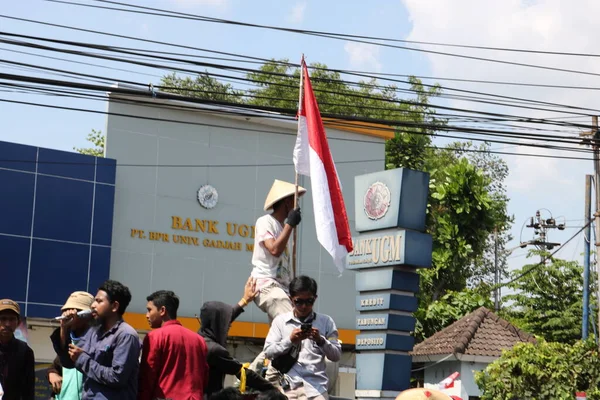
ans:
(14, 259)
(100, 258)
(103, 215)
(52, 265)
(17, 156)
(59, 213)
(67, 165)
(106, 170)
(72, 217)
(17, 196)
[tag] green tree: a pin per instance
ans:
(97, 139)
(548, 301)
(202, 86)
(543, 371)
(451, 307)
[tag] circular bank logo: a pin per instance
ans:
(377, 200)
(208, 196)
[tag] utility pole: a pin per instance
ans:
(496, 273)
(541, 227)
(585, 325)
(595, 143)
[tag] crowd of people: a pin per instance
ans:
(100, 356)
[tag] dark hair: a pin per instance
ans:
(229, 393)
(271, 395)
(116, 291)
(303, 283)
(166, 299)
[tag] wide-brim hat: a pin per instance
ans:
(280, 190)
(79, 301)
(422, 394)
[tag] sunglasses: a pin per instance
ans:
(304, 302)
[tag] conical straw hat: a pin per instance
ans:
(422, 394)
(281, 190)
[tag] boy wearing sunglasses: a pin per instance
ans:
(314, 334)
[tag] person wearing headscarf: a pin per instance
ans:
(216, 318)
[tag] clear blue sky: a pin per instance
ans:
(529, 188)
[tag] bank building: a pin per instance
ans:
(172, 206)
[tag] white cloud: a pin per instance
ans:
(363, 56)
(552, 25)
(297, 14)
(549, 25)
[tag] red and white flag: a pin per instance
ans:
(449, 381)
(313, 158)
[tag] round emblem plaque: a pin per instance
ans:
(208, 196)
(377, 200)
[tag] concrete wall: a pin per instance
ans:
(468, 370)
(464, 386)
(438, 372)
(147, 197)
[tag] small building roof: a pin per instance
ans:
(480, 333)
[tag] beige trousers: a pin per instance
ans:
(273, 300)
(300, 394)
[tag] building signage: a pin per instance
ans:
(392, 321)
(384, 341)
(370, 342)
(187, 227)
(390, 247)
(371, 321)
(386, 301)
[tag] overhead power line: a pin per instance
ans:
(330, 35)
(254, 59)
(353, 94)
(443, 44)
(291, 111)
(133, 51)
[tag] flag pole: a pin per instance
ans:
(295, 236)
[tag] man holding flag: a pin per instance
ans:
(312, 158)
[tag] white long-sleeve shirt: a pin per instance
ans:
(310, 368)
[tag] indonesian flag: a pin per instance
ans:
(449, 381)
(313, 158)
(580, 396)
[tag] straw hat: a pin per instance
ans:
(422, 394)
(281, 190)
(79, 301)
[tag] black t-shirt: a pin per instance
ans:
(17, 370)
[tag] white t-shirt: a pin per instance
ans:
(267, 267)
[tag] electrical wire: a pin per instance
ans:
(345, 37)
(559, 139)
(124, 50)
(541, 263)
(255, 59)
(272, 132)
